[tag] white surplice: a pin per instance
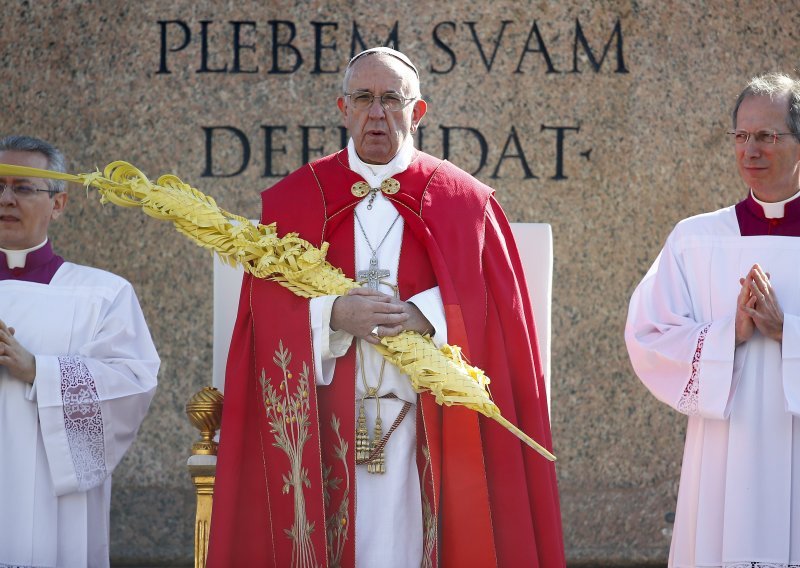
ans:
(739, 497)
(388, 506)
(62, 437)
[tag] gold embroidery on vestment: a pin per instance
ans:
(428, 518)
(336, 524)
(287, 410)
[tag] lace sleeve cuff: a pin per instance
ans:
(709, 387)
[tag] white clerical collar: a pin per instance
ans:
(16, 258)
(773, 210)
(374, 174)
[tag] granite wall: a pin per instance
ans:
(606, 119)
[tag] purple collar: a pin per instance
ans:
(40, 266)
(753, 222)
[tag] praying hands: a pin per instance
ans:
(20, 363)
(758, 307)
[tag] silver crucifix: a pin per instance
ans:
(374, 275)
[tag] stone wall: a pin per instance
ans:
(605, 119)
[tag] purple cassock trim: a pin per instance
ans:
(40, 266)
(752, 221)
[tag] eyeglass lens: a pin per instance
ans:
(389, 101)
(760, 137)
(22, 190)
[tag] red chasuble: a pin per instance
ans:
(285, 489)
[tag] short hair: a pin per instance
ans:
(55, 159)
(387, 52)
(774, 85)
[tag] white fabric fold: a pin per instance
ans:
(398, 542)
(739, 495)
(95, 376)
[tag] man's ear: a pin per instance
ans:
(420, 108)
(59, 203)
(342, 107)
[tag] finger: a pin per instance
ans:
(761, 278)
(365, 291)
(750, 312)
(374, 300)
(387, 308)
(372, 339)
(744, 292)
(389, 320)
(390, 331)
(758, 292)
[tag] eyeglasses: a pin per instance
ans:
(389, 101)
(761, 137)
(24, 191)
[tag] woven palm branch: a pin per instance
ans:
(292, 262)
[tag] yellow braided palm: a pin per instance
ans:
(292, 262)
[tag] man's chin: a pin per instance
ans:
(373, 156)
(375, 149)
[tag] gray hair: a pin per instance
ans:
(385, 52)
(775, 85)
(55, 159)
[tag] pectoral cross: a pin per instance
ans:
(373, 275)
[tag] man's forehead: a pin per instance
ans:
(25, 155)
(380, 68)
(22, 158)
(388, 52)
(767, 104)
(763, 111)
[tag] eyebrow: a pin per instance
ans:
(21, 181)
(371, 93)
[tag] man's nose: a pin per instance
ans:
(376, 109)
(7, 194)
(752, 148)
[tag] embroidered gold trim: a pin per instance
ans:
(287, 410)
(337, 522)
(428, 518)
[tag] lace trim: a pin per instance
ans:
(690, 399)
(759, 565)
(83, 421)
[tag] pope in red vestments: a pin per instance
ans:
(286, 491)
